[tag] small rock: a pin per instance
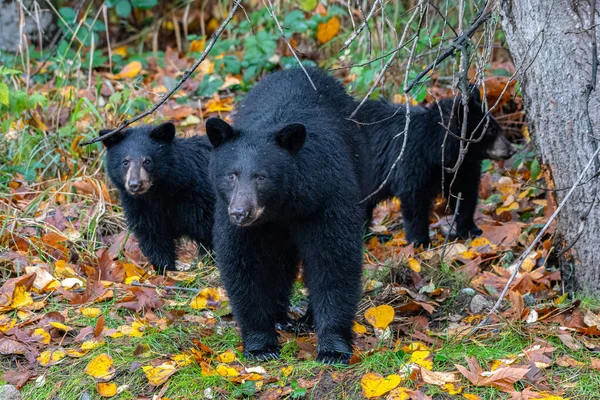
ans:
(529, 300)
(479, 304)
(463, 300)
(85, 396)
(467, 291)
(9, 392)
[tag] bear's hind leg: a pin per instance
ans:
(415, 216)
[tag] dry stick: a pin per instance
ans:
(272, 14)
(184, 78)
(485, 14)
(458, 200)
(361, 27)
(147, 285)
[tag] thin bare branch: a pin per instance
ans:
(184, 78)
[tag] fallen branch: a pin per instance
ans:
(173, 288)
(184, 78)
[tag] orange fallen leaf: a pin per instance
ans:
(207, 298)
(106, 389)
(358, 328)
(414, 264)
(380, 316)
(328, 30)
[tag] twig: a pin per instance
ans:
(535, 242)
(456, 43)
(174, 288)
(458, 200)
(360, 27)
(272, 14)
(184, 78)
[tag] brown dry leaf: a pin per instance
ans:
(18, 378)
(207, 298)
(595, 364)
(375, 385)
(106, 389)
(501, 378)
(380, 316)
(566, 361)
(9, 347)
(328, 30)
(569, 341)
(506, 234)
(438, 378)
(101, 368)
(197, 45)
(129, 71)
(140, 298)
(159, 374)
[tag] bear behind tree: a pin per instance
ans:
(429, 152)
(164, 188)
(287, 177)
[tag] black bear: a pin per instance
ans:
(417, 178)
(287, 178)
(164, 188)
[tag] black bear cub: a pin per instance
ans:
(417, 178)
(287, 179)
(164, 188)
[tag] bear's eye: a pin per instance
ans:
(147, 163)
(231, 177)
(260, 177)
(126, 163)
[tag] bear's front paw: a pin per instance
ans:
(266, 354)
(333, 357)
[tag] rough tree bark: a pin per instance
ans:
(551, 43)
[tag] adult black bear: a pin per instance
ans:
(164, 188)
(417, 178)
(287, 178)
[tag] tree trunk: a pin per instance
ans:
(551, 44)
(38, 19)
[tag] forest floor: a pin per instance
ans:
(133, 335)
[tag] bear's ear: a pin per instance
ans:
(218, 131)
(114, 139)
(291, 137)
(164, 132)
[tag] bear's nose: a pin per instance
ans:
(134, 186)
(239, 215)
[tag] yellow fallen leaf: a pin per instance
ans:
(120, 51)
(375, 385)
(207, 298)
(470, 396)
(50, 357)
(91, 312)
(224, 370)
(207, 370)
(287, 371)
(7, 324)
(358, 328)
(44, 335)
(400, 393)
(226, 357)
(63, 270)
(328, 30)
(135, 330)
(453, 389)
(414, 264)
(512, 206)
(557, 302)
(182, 359)
(528, 264)
(101, 368)
(159, 374)
(381, 316)
(414, 346)
(21, 297)
(480, 241)
(91, 344)
(525, 133)
(60, 326)
(421, 358)
(106, 389)
(129, 71)
(76, 353)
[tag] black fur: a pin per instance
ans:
(180, 201)
(292, 154)
(417, 178)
